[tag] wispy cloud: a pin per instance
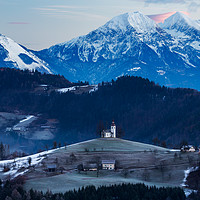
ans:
(161, 17)
(65, 10)
(66, 6)
(46, 9)
(193, 7)
(18, 23)
(164, 1)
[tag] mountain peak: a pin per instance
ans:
(181, 20)
(137, 20)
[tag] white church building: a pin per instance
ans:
(110, 133)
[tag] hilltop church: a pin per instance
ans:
(110, 133)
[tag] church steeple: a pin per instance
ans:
(113, 129)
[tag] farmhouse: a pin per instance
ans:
(90, 167)
(109, 133)
(51, 167)
(108, 164)
(188, 148)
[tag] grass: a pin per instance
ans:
(145, 163)
(113, 144)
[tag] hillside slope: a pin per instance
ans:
(144, 110)
(143, 163)
(112, 144)
(13, 55)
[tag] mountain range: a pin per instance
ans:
(131, 43)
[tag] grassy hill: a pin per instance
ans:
(112, 144)
(136, 163)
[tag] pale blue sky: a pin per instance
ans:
(38, 24)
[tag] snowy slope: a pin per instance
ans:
(14, 55)
(110, 41)
(180, 21)
(184, 29)
(19, 166)
(132, 44)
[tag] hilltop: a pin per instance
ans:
(135, 163)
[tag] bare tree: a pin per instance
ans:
(175, 156)
(98, 163)
(120, 132)
(100, 128)
(29, 161)
(46, 147)
(125, 173)
(146, 175)
(54, 145)
(72, 158)
(80, 168)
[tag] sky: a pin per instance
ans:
(39, 24)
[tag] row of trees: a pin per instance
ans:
(4, 151)
(13, 190)
(18, 79)
(143, 109)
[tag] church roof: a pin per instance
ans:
(108, 161)
(107, 131)
(113, 123)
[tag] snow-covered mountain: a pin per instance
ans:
(15, 56)
(183, 28)
(132, 44)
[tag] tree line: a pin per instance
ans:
(13, 190)
(141, 108)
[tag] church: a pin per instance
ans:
(110, 133)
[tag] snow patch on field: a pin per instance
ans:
(74, 88)
(22, 163)
(187, 172)
(94, 89)
(24, 123)
(19, 166)
(64, 90)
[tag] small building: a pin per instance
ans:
(51, 167)
(188, 148)
(45, 87)
(108, 164)
(8, 129)
(90, 167)
(110, 133)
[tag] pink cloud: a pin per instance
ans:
(22, 23)
(161, 17)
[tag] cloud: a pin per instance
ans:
(193, 7)
(64, 10)
(160, 18)
(46, 9)
(66, 6)
(18, 23)
(164, 1)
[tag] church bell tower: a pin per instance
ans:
(113, 129)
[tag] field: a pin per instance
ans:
(136, 162)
